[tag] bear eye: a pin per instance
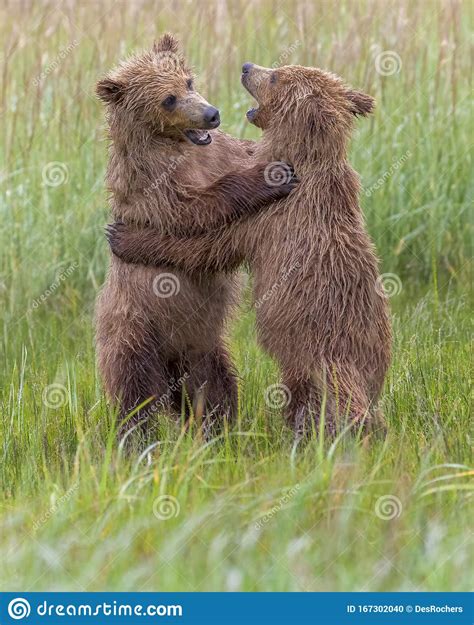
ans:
(273, 78)
(189, 84)
(169, 102)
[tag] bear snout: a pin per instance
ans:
(246, 67)
(212, 117)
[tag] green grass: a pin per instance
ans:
(255, 513)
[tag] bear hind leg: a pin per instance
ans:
(134, 373)
(212, 386)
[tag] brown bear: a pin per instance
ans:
(169, 169)
(320, 309)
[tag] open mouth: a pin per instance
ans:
(198, 137)
(251, 113)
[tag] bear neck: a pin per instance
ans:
(308, 157)
(329, 187)
(141, 165)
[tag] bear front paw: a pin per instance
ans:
(116, 235)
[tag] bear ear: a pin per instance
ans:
(360, 103)
(167, 43)
(109, 90)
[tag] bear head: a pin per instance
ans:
(303, 111)
(155, 91)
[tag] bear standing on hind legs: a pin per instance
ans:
(169, 169)
(328, 323)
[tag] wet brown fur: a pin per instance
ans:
(326, 322)
(157, 177)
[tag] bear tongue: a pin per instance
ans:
(198, 137)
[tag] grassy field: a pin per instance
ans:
(248, 511)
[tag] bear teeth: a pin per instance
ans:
(198, 137)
